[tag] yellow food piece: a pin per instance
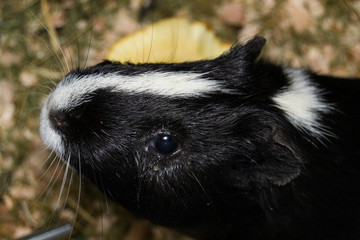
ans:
(169, 40)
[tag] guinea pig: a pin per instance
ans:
(234, 147)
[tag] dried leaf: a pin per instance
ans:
(170, 40)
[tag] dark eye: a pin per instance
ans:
(166, 143)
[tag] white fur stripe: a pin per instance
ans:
(74, 91)
(303, 103)
(48, 134)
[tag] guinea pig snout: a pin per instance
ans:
(59, 119)
(62, 120)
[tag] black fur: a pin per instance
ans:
(243, 171)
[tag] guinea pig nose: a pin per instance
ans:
(59, 119)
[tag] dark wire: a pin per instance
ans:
(51, 234)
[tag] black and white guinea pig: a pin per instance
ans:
(229, 148)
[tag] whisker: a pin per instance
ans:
(52, 82)
(57, 58)
(48, 74)
(78, 46)
(99, 201)
(105, 197)
(207, 196)
(46, 148)
(68, 190)
(51, 181)
(62, 208)
(57, 177)
(103, 131)
(79, 193)
(46, 86)
(70, 181)
(200, 185)
(91, 36)
(52, 32)
(97, 135)
(175, 39)
(152, 39)
(102, 219)
(64, 178)
(43, 73)
(33, 93)
(52, 52)
(71, 57)
(49, 167)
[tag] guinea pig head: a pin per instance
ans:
(174, 143)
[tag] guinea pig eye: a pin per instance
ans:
(165, 143)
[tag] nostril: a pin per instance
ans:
(59, 120)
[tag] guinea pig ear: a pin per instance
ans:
(277, 160)
(251, 50)
(236, 63)
(247, 52)
(283, 161)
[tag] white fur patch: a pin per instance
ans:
(48, 134)
(73, 92)
(303, 103)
